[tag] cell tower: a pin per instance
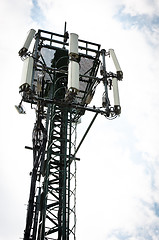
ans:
(59, 79)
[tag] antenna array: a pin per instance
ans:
(59, 80)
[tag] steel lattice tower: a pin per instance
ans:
(51, 212)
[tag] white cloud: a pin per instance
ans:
(135, 7)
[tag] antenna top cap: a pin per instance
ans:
(73, 44)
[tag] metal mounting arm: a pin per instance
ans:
(105, 99)
(90, 125)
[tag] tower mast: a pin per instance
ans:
(59, 79)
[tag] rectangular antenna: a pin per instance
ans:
(73, 68)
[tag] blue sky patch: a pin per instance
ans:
(121, 235)
(36, 13)
(139, 21)
(146, 232)
(155, 208)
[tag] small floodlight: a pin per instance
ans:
(27, 42)
(20, 108)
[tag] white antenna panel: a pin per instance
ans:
(29, 38)
(115, 60)
(115, 92)
(27, 42)
(27, 72)
(73, 75)
(73, 43)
